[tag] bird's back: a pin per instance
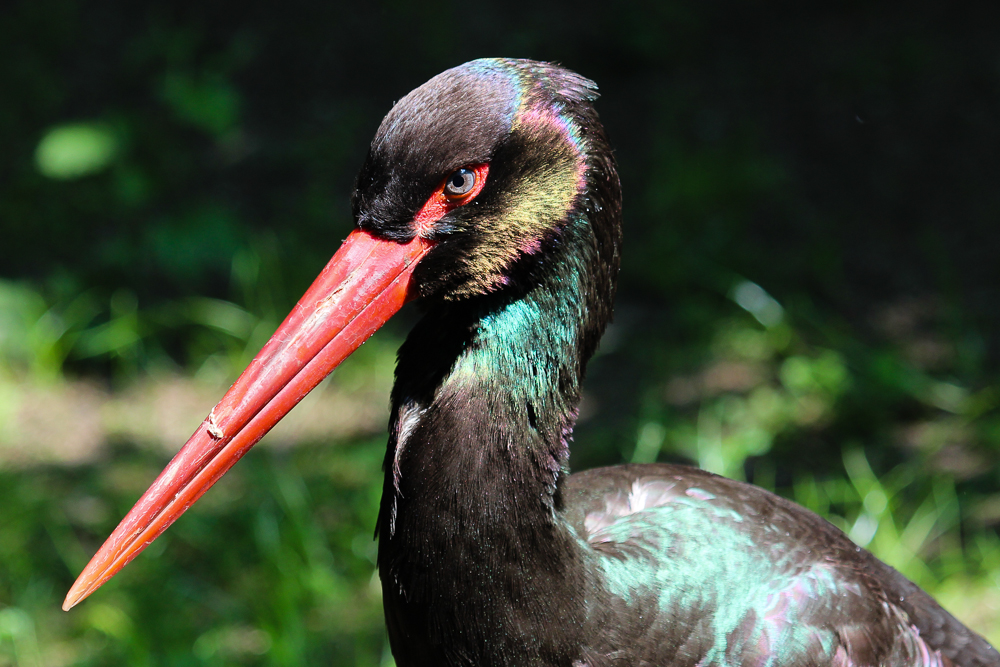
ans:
(698, 569)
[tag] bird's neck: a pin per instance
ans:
(487, 391)
(483, 408)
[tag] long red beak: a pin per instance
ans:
(365, 283)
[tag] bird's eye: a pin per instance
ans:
(460, 183)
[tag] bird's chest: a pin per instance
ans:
(457, 592)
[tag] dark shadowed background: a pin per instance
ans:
(808, 297)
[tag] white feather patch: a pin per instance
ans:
(410, 414)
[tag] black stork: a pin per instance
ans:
(491, 193)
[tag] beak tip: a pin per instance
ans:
(77, 593)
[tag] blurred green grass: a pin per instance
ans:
(275, 567)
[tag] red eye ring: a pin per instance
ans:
(441, 202)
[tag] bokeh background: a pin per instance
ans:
(808, 296)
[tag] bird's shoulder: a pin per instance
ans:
(717, 567)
